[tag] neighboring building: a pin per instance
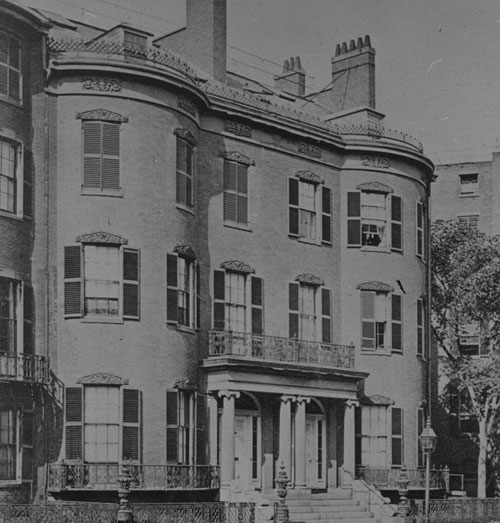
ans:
(233, 284)
(466, 191)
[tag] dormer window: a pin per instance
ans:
(135, 43)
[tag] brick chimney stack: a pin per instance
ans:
(293, 78)
(353, 75)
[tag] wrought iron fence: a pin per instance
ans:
(466, 510)
(21, 367)
(98, 476)
(274, 348)
(60, 513)
(385, 478)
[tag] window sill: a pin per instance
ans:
(182, 207)
(99, 319)
(182, 328)
(239, 226)
(375, 352)
(471, 195)
(367, 248)
(10, 483)
(11, 215)
(11, 101)
(92, 191)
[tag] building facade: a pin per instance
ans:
(230, 285)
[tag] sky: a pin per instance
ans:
(437, 61)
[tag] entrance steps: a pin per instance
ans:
(330, 506)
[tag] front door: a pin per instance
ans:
(315, 451)
(245, 448)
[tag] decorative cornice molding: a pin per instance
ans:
(101, 378)
(377, 286)
(237, 128)
(102, 237)
(184, 384)
(285, 398)
(309, 279)
(102, 84)
(237, 266)
(102, 114)
(229, 394)
(187, 105)
(185, 134)
(376, 399)
(374, 187)
(235, 156)
(309, 176)
(186, 251)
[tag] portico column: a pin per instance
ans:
(227, 436)
(300, 442)
(349, 442)
(212, 427)
(285, 439)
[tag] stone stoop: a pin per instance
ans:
(326, 507)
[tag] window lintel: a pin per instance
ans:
(374, 187)
(102, 237)
(103, 115)
(376, 286)
(186, 251)
(309, 279)
(102, 378)
(309, 176)
(184, 384)
(185, 134)
(235, 156)
(376, 400)
(237, 266)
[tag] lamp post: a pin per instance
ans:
(428, 441)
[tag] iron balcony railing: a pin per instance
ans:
(20, 367)
(387, 479)
(104, 476)
(274, 348)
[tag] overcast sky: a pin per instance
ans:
(437, 61)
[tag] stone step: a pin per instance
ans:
(335, 520)
(326, 509)
(322, 502)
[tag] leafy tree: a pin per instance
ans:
(465, 291)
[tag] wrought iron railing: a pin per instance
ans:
(59, 513)
(385, 478)
(20, 367)
(103, 476)
(274, 348)
(464, 510)
(154, 57)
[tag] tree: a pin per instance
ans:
(466, 292)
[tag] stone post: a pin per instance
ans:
(403, 483)
(125, 510)
(282, 515)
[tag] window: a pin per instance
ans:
(381, 320)
(371, 428)
(185, 427)
(235, 192)
(10, 66)
(95, 417)
(238, 302)
(469, 184)
(135, 44)
(368, 216)
(101, 155)
(184, 172)
(101, 282)
(310, 211)
(183, 290)
(472, 220)
(470, 342)
(462, 418)
(421, 230)
(421, 342)
(16, 445)
(397, 436)
(310, 312)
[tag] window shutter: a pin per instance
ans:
(293, 306)
(293, 209)
(92, 152)
(197, 276)
(219, 303)
(4, 75)
(397, 436)
(28, 308)
(182, 154)
(368, 320)
(72, 282)
(326, 316)
(242, 197)
(257, 305)
(131, 441)
(230, 187)
(396, 224)
(110, 155)
(420, 327)
(27, 444)
(131, 294)
(201, 409)
(420, 230)
(27, 183)
(172, 290)
(74, 420)
(354, 219)
(396, 315)
(172, 426)
(420, 428)
(326, 217)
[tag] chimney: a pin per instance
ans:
(293, 78)
(353, 75)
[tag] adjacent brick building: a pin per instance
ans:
(230, 284)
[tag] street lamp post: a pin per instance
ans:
(428, 442)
